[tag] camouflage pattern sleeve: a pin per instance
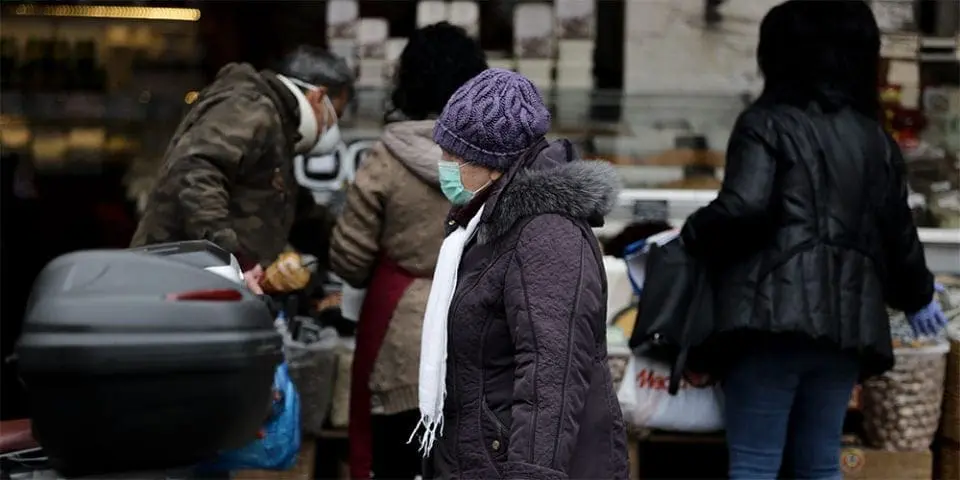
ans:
(206, 160)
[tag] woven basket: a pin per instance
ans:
(901, 407)
(950, 424)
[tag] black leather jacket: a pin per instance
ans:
(811, 233)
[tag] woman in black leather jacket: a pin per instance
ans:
(809, 239)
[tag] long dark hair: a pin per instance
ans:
(822, 51)
(437, 60)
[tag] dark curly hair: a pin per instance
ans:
(437, 60)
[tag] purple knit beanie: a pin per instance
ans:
(492, 119)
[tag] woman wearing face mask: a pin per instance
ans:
(227, 175)
(514, 380)
(387, 240)
(810, 239)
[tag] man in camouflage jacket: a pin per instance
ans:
(228, 173)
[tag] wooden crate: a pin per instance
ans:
(950, 419)
(865, 463)
(664, 455)
(303, 470)
(949, 465)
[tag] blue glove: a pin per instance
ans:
(929, 320)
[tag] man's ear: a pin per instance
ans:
(340, 102)
(316, 96)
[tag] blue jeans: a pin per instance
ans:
(787, 396)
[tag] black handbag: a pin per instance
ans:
(676, 311)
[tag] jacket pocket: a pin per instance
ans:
(496, 441)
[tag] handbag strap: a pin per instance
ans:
(680, 363)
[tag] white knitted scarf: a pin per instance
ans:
(433, 340)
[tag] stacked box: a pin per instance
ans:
(465, 14)
(575, 20)
(372, 36)
(535, 43)
(343, 17)
(431, 11)
(395, 48)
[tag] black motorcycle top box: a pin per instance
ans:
(142, 360)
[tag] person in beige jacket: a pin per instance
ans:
(387, 240)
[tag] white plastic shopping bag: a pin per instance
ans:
(352, 302)
(645, 402)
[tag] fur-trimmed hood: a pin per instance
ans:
(551, 179)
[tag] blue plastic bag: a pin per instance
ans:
(278, 448)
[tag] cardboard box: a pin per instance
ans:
(865, 463)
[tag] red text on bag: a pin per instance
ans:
(650, 379)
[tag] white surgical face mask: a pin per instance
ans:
(311, 142)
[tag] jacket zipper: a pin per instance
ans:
(501, 428)
(455, 304)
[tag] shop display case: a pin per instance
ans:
(670, 153)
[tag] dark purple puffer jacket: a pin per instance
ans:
(529, 393)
